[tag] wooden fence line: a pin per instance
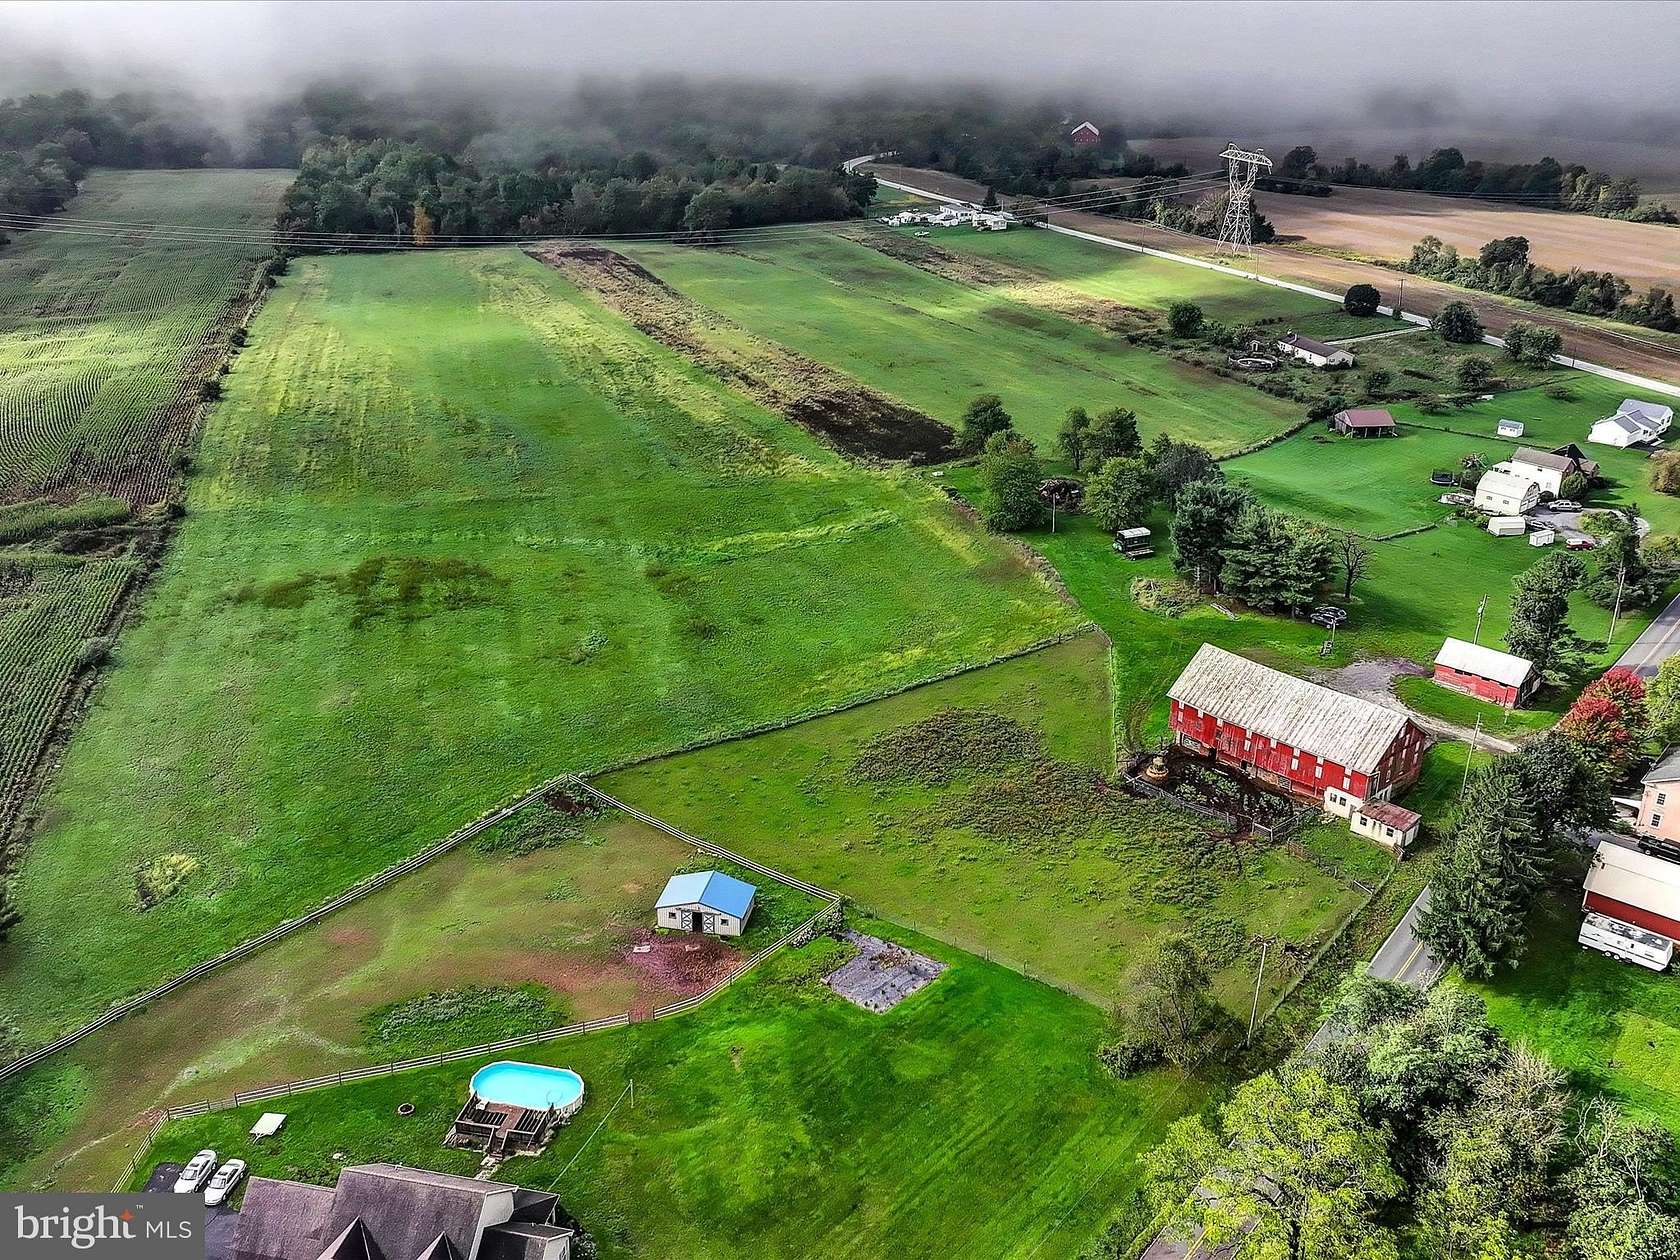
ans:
(239, 1098)
(371, 885)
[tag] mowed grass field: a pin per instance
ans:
(1613, 1026)
(458, 530)
(563, 916)
(994, 834)
(782, 1121)
(936, 343)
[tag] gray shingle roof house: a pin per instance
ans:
(391, 1212)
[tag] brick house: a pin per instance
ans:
(1336, 749)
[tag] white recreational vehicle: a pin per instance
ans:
(1621, 940)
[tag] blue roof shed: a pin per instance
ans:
(712, 889)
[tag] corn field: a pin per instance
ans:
(106, 343)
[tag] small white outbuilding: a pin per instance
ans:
(1506, 493)
(1507, 526)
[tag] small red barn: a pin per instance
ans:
(1635, 888)
(1486, 673)
(1085, 134)
(1298, 735)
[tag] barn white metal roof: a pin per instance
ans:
(1636, 878)
(1345, 729)
(1484, 662)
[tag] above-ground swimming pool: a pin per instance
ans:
(529, 1085)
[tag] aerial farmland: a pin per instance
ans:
(660, 661)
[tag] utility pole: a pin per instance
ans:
(1470, 756)
(1480, 609)
(1621, 576)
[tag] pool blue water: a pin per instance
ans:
(527, 1085)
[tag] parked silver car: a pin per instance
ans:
(196, 1173)
(222, 1184)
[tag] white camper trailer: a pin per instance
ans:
(1621, 940)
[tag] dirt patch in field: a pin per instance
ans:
(1018, 284)
(681, 962)
(850, 416)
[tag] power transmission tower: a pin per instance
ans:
(1236, 233)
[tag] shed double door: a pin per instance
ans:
(698, 921)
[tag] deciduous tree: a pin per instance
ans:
(1201, 529)
(982, 418)
(1662, 702)
(1294, 1172)
(1361, 299)
(1113, 434)
(1119, 496)
(1070, 438)
(1172, 1007)
(1185, 319)
(1474, 372)
(1010, 475)
(1457, 322)
(1607, 722)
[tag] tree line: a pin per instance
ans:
(1547, 182)
(413, 193)
(1502, 266)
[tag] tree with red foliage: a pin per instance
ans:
(1608, 722)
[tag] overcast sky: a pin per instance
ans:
(1282, 58)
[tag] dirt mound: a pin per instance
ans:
(848, 415)
(682, 962)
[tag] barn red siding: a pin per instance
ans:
(1303, 771)
(1650, 920)
(1475, 685)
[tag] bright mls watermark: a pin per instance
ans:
(102, 1226)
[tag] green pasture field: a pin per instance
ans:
(458, 529)
(562, 916)
(1612, 1026)
(1015, 855)
(1137, 280)
(1381, 485)
(95, 337)
(782, 1121)
(1420, 590)
(935, 343)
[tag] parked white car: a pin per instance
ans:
(222, 1184)
(196, 1173)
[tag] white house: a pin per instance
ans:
(989, 220)
(1318, 353)
(705, 901)
(1633, 423)
(1504, 492)
(1392, 826)
(1546, 469)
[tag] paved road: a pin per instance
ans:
(1659, 642)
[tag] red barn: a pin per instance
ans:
(1635, 888)
(1085, 134)
(1310, 740)
(1484, 672)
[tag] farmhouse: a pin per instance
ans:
(1364, 422)
(390, 1212)
(1505, 492)
(1308, 739)
(1318, 353)
(1659, 799)
(1085, 134)
(1633, 423)
(705, 901)
(1543, 468)
(1636, 888)
(1486, 673)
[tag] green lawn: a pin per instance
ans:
(936, 343)
(781, 1121)
(1613, 1026)
(1427, 696)
(458, 529)
(562, 916)
(1000, 839)
(1137, 280)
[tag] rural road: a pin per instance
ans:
(1659, 642)
(1646, 356)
